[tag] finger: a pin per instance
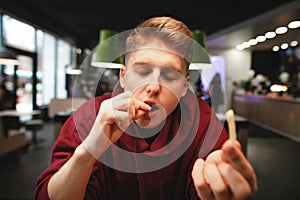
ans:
(132, 107)
(122, 120)
(140, 108)
(143, 106)
(239, 186)
(143, 109)
(232, 154)
(137, 108)
(121, 116)
(140, 113)
(202, 187)
(214, 157)
(108, 110)
(121, 100)
(217, 184)
(121, 104)
(113, 125)
(140, 105)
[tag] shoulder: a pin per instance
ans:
(191, 100)
(204, 106)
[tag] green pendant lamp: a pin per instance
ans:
(200, 58)
(107, 53)
(8, 58)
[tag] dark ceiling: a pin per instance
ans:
(80, 21)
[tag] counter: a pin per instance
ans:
(278, 114)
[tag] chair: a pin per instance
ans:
(34, 125)
(10, 138)
(60, 109)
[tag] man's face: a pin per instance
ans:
(155, 75)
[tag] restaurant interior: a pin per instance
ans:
(50, 64)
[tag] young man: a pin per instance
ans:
(152, 138)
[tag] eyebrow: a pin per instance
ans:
(137, 64)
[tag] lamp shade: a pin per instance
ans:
(8, 58)
(200, 58)
(107, 52)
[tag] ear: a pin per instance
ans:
(186, 86)
(122, 75)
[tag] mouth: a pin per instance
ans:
(153, 106)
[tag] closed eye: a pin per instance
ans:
(170, 74)
(143, 70)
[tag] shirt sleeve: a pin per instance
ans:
(73, 131)
(62, 151)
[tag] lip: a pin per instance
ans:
(150, 102)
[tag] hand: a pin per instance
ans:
(116, 114)
(225, 174)
(114, 117)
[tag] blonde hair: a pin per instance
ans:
(170, 31)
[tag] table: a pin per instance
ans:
(280, 115)
(59, 120)
(22, 115)
(14, 119)
(12, 134)
(19, 113)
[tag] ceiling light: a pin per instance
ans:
(87, 51)
(252, 42)
(284, 46)
(239, 47)
(278, 88)
(270, 34)
(245, 44)
(294, 24)
(78, 50)
(275, 48)
(74, 71)
(281, 30)
(260, 38)
(294, 43)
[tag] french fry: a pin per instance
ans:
(231, 124)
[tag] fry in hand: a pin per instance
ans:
(231, 124)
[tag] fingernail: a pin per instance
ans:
(149, 107)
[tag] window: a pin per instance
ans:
(53, 56)
(46, 67)
(18, 34)
(63, 60)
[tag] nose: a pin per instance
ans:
(153, 88)
(153, 85)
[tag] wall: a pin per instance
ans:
(237, 64)
(277, 114)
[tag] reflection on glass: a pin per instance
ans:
(46, 65)
(24, 84)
